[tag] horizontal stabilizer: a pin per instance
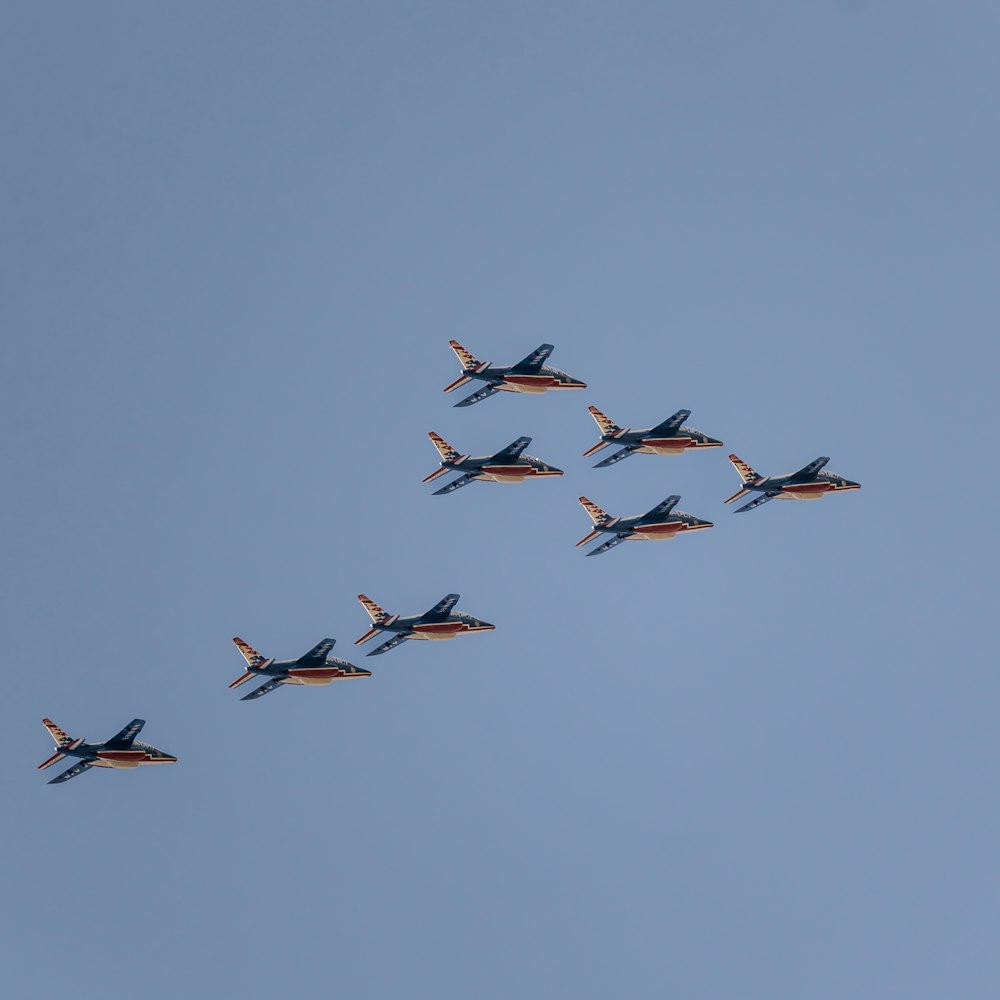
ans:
(597, 447)
(242, 679)
(55, 758)
(458, 383)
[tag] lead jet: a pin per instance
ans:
(530, 375)
(809, 483)
(660, 523)
(671, 437)
(438, 623)
(313, 669)
(507, 466)
(122, 751)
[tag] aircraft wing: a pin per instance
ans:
(391, 644)
(661, 509)
(512, 452)
(71, 772)
(443, 607)
(478, 395)
(128, 734)
(534, 361)
(810, 470)
(263, 689)
(672, 424)
(455, 484)
(609, 544)
(616, 457)
(756, 502)
(318, 653)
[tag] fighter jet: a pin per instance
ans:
(806, 484)
(123, 750)
(669, 438)
(529, 375)
(506, 466)
(438, 623)
(660, 523)
(312, 670)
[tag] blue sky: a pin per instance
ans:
(757, 761)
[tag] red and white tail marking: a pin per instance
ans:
(467, 360)
(746, 473)
(61, 738)
(606, 424)
(445, 450)
(253, 658)
(377, 614)
(597, 515)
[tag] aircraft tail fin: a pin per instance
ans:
(606, 424)
(747, 474)
(253, 658)
(377, 614)
(597, 515)
(467, 360)
(62, 738)
(445, 450)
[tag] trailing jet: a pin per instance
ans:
(655, 525)
(669, 438)
(529, 375)
(809, 483)
(312, 670)
(123, 750)
(438, 623)
(506, 466)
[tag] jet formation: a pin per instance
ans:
(809, 483)
(123, 750)
(312, 669)
(530, 375)
(509, 465)
(658, 524)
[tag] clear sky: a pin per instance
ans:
(759, 762)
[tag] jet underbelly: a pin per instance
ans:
(658, 532)
(506, 473)
(665, 446)
(530, 383)
(121, 758)
(437, 630)
(807, 491)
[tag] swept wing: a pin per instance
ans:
(318, 653)
(534, 361)
(672, 424)
(512, 452)
(810, 470)
(128, 734)
(478, 395)
(756, 502)
(263, 689)
(616, 457)
(662, 509)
